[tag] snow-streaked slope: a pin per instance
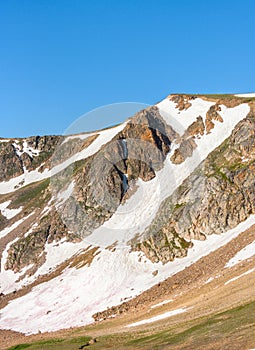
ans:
(56, 253)
(111, 277)
(73, 297)
(9, 229)
(9, 277)
(24, 148)
(180, 120)
(63, 196)
(140, 209)
(244, 254)
(32, 176)
(9, 213)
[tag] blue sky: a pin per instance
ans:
(62, 58)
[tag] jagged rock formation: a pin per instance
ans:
(216, 197)
(103, 181)
(182, 101)
(16, 155)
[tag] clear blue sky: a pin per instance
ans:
(62, 58)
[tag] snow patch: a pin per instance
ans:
(63, 196)
(162, 303)
(78, 136)
(242, 255)
(251, 94)
(181, 120)
(8, 278)
(25, 149)
(9, 229)
(4, 140)
(237, 277)
(9, 213)
(159, 317)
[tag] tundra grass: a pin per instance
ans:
(235, 328)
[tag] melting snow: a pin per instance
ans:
(140, 209)
(33, 176)
(9, 277)
(25, 149)
(237, 277)
(243, 254)
(162, 303)
(251, 94)
(110, 278)
(181, 120)
(159, 317)
(63, 196)
(9, 229)
(78, 136)
(9, 213)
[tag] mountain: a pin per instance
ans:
(105, 225)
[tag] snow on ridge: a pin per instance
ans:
(25, 149)
(9, 213)
(111, 277)
(33, 176)
(4, 140)
(78, 136)
(251, 94)
(244, 254)
(181, 120)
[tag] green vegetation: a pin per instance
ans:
(32, 195)
(41, 158)
(179, 205)
(54, 344)
(238, 323)
(235, 326)
(219, 161)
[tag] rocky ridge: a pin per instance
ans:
(106, 179)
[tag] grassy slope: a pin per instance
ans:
(233, 329)
(54, 344)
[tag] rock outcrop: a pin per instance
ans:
(216, 197)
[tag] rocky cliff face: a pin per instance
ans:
(20, 155)
(216, 197)
(104, 180)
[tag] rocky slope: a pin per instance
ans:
(216, 197)
(118, 206)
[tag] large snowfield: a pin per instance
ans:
(71, 298)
